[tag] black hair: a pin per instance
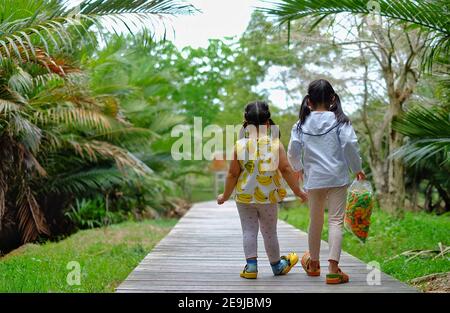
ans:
(257, 113)
(320, 92)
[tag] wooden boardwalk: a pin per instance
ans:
(203, 253)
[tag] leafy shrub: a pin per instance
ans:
(92, 213)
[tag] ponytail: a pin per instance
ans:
(336, 107)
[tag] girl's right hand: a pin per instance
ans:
(360, 176)
(221, 199)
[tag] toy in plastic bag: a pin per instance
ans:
(359, 208)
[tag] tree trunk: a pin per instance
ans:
(378, 169)
(400, 76)
(394, 200)
(445, 197)
(428, 204)
(396, 178)
(9, 233)
(414, 194)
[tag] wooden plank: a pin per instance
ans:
(203, 253)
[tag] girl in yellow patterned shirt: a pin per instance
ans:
(255, 173)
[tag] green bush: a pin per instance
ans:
(92, 213)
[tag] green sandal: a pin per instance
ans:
(337, 278)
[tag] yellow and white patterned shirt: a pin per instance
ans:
(260, 180)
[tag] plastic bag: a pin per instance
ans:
(359, 208)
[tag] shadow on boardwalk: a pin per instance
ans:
(203, 253)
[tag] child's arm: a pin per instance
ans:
(289, 174)
(349, 144)
(233, 175)
(294, 153)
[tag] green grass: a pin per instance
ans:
(201, 195)
(390, 236)
(203, 189)
(106, 257)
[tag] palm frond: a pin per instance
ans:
(30, 216)
(74, 118)
(422, 150)
(125, 160)
(428, 14)
(29, 133)
(131, 138)
(47, 81)
(7, 106)
(428, 132)
(432, 16)
(82, 182)
(21, 81)
(50, 28)
(424, 122)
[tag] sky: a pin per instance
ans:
(217, 19)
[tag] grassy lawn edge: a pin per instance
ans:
(388, 237)
(106, 257)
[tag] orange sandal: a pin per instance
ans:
(306, 261)
(337, 278)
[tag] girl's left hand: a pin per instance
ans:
(361, 176)
(221, 199)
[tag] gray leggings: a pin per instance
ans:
(252, 217)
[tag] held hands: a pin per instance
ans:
(360, 176)
(302, 195)
(221, 199)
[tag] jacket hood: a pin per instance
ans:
(319, 123)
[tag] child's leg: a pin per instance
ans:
(336, 214)
(316, 202)
(268, 218)
(250, 226)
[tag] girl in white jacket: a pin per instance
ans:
(323, 148)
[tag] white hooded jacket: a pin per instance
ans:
(325, 150)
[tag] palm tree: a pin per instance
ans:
(52, 25)
(431, 16)
(427, 150)
(58, 138)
